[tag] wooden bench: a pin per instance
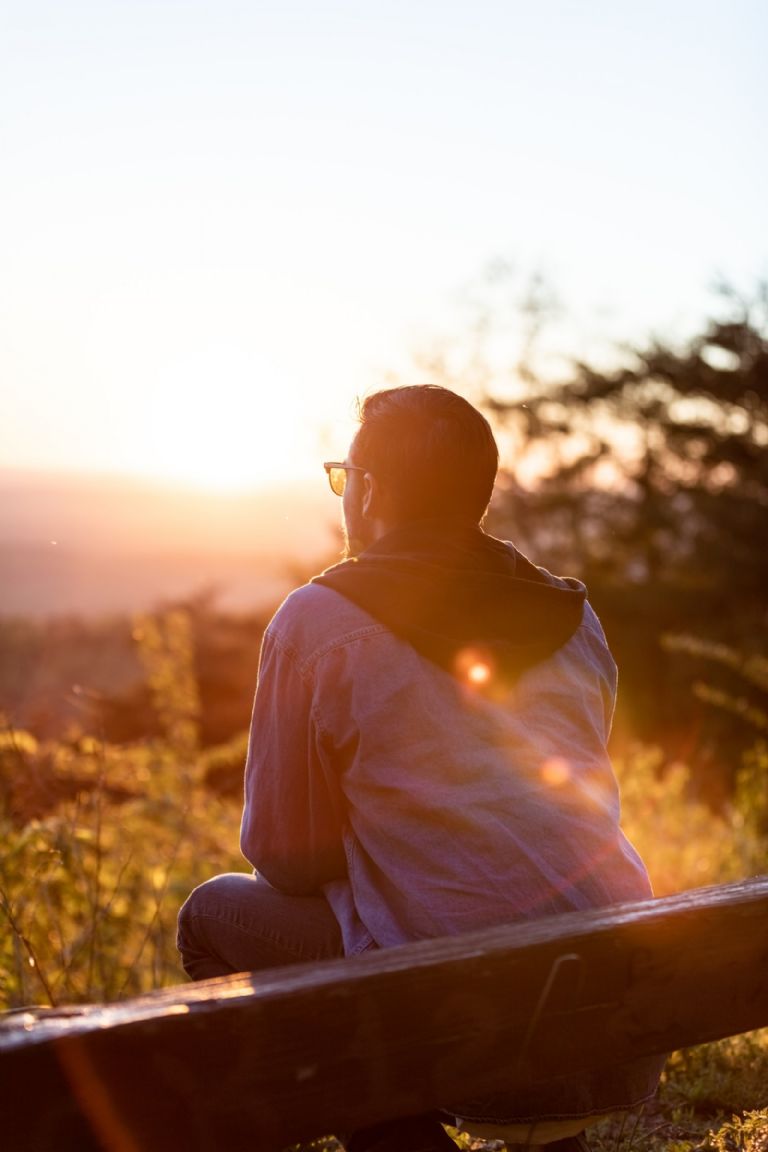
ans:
(260, 1061)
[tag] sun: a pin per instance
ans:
(235, 466)
(221, 472)
(230, 447)
(233, 430)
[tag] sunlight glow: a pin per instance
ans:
(239, 435)
(206, 249)
(233, 442)
(216, 471)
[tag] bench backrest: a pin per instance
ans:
(262, 1060)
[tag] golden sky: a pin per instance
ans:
(222, 220)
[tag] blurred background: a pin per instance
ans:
(222, 223)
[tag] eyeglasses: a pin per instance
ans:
(337, 475)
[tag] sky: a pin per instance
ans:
(221, 220)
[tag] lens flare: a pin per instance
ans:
(555, 772)
(479, 673)
(474, 667)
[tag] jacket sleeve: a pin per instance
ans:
(291, 830)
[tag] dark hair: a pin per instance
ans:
(433, 450)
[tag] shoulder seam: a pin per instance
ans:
(361, 632)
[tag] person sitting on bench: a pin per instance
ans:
(427, 751)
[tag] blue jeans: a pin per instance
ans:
(239, 923)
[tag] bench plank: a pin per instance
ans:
(262, 1060)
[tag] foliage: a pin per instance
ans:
(167, 655)
(747, 1133)
(67, 674)
(713, 1079)
(740, 686)
(655, 470)
(90, 888)
(683, 842)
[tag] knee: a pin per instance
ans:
(185, 921)
(202, 901)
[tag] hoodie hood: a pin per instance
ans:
(450, 590)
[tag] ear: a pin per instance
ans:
(371, 497)
(376, 503)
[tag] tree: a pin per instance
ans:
(655, 471)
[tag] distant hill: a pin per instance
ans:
(92, 545)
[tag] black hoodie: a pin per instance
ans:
(449, 588)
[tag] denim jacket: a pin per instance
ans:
(423, 803)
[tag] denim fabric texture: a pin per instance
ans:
(239, 923)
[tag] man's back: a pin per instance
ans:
(449, 802)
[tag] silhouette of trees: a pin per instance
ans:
(654, 471)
